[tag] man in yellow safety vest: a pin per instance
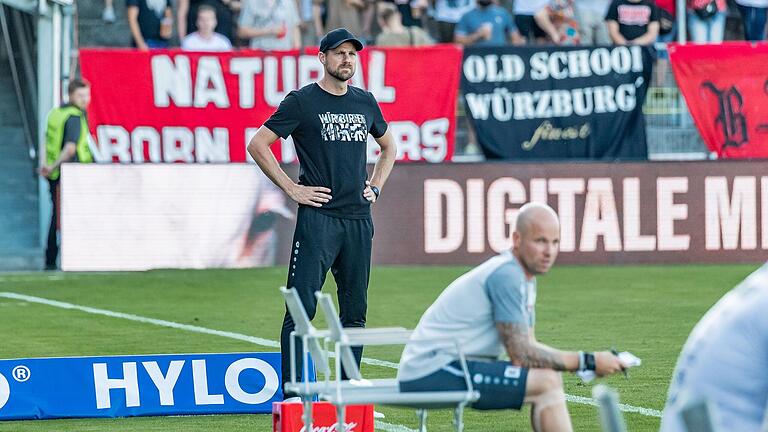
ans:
(66, 140)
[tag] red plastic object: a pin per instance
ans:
(287, 417)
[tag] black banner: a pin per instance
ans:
(558, 102)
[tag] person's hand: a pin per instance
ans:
(314, 196)
(45, 171)
(368, 193)
(142, 46)
(485, 31)
(166, 28)
(607, 363)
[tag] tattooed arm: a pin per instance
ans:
(523, 350)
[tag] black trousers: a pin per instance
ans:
(320, 243)
(52, 250)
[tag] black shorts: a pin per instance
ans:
(501, 384)
(528, 27)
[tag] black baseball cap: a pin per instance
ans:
(334, 38)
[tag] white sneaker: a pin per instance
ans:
(378, 415)
(294, 399)
(109, 14)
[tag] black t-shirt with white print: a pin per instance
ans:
(633, 16)
(330, 134)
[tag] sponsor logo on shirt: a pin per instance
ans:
(512, 372)
(634, 14)
(344, 127)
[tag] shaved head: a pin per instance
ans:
(536, 238)
(534, 212)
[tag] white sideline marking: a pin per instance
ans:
(388, 427)
(623, 407)
(272, 344)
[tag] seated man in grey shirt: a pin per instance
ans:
(491, 310)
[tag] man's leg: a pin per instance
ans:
(351, 270)
(544, 391)
(312, 252)
(52, 250)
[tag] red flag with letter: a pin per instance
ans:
(726, 89)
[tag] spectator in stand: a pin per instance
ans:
(753, 12)
(446, 14)
(353, 15)
(533, 19)
(706, 20)
(186, 17)
(395, 33)
(633, 22)
(109, 12)
(151, 23)
(411, 11)
(205, 39)
(563, 18)
(270, 24)
(590, 15)
(488, 24)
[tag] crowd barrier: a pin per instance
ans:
(137, 217)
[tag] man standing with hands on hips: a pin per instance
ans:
(329, 121)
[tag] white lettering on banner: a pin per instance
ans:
(730, 217)
(232, 381)
(178, 144)
(486, 68)
(5, 391)
(633, 240)
(427, 142)
(667, 212)
(172, 79)
(200, 384)
(348, 427)
(171, 144)
(475, 216)
(145, 136)
(504, 105)
(103, 384)
(272, 95)
(435, 239)
(600, 217)
(501, 219)
(490, 215)
(585, 63)
(209, 85)
(566, 191)
(246, 68)
(165, 384)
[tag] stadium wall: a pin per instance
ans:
(137, 217)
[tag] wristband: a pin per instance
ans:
(376, 191)
(587, 361)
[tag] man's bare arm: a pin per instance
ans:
(258, 148)
(524, 351)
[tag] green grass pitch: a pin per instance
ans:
(648, 310)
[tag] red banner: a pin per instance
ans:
(175, 106)
(726, 89)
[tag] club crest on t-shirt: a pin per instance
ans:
(344, 127)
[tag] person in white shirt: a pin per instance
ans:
(205, 39)
(725, 362)
(491, 310)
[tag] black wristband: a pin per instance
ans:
(376, 191)
(589, 361)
